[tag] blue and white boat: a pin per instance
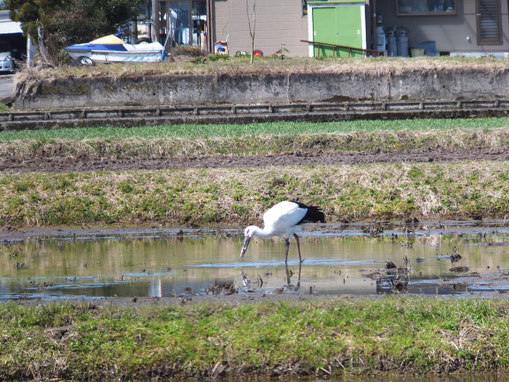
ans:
(113, 49)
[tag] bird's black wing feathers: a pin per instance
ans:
(313, 214)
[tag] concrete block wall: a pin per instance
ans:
(277, 88)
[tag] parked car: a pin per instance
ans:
(6, 62)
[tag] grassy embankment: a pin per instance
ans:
(238, 65)
(340, 336)
(30, 79)
(231, 196)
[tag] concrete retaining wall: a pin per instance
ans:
(268, 88)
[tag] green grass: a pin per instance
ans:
(236, 195)
(208, 197)
(340, 336)
(255, 129)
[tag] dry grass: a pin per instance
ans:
(207, 197)
(362, 66)
(358, 141)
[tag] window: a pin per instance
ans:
(489, 30)
(425, 7)
(186, 20)
(180, 20)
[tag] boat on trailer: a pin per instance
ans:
(113, 49)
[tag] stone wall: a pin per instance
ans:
(268, 88)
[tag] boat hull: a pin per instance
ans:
(109, 56)
(112, 49)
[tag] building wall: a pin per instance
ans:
(449, 32)
(277, 22)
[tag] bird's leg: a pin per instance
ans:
(298, 247)
(287, 245)
(300, 260)
(298, 280)
(288, 281)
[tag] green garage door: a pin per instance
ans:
(340, 25)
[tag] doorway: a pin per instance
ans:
(489, 22)
(338, 24)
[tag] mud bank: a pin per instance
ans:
(84, 163)
(274, 88)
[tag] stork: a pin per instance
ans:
(284, 219)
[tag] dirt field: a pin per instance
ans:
(288, 159)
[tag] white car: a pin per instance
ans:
(6, 62)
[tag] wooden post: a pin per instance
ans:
(134, 31)
(210, 27)
(156, 25)
(163, 24)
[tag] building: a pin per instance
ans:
(11, 37)
(468, 27)
(399, 27)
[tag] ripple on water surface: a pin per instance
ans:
(454, 258)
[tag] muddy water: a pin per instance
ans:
(446, 259)
(457, 378)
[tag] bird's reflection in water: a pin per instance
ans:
(249, 285)
(289, 275)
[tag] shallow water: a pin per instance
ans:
(339, 260)
(460, 378)
(471, 377)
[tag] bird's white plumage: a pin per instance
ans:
(282, 218)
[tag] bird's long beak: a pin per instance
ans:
(244, 247)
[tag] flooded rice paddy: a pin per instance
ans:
(448, 258)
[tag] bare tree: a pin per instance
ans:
(252, 26)
(43, 50)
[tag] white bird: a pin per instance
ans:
(284, 219)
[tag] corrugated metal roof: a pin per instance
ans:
(10, 27)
